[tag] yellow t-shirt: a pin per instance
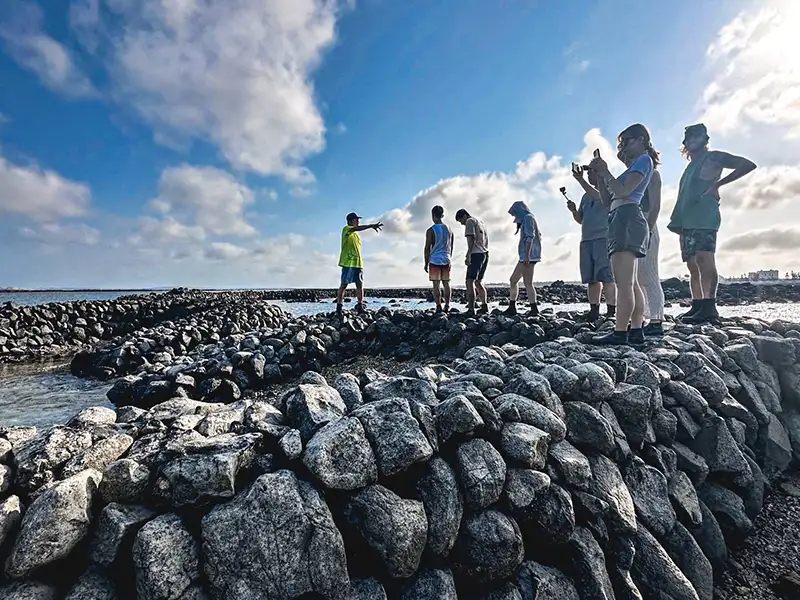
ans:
(351, 249)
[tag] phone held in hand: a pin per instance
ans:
(596, 153)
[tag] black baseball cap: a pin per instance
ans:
(353, 217)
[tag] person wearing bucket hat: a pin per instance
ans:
(351, 261)
(696, 216)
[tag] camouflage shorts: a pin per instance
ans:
(697, 240)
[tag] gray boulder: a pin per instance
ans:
(99, 455)
(349, 389)
(553, 517)
(684, 500)
(594, 384)
(689, 558)
(776, 351)
(340, 457)
(10, 517)
(709, 537)
(278, 540)
(199, 478)
(54, 524)
(412, 389)
(309, 407)
(94, 416)
(525, 445)
(38, 459)
(633, 407)
(291, 444)
(366, 589)
(589, 566)
(562, 381)
(692, 463)
(537, 582)
(655, 573)
(394, 528)
(729, 510)
(456, 416)
(482, 473)
(516, 408)
(775, 448)
(523, 492)
(430, 584)
(689, 398)
(438, 490)
(720, 451)
(587, 428)
(649, 490)
(571, 465)
(28, 590)
(489, 547)
(608, 485)
(124, 480)
(394, 433)
(117, 527)
(92, 585)
(167, 559)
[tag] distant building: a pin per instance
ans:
(770, 275)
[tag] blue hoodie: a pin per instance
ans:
(529, 231)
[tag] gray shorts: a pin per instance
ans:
(628, 230)
(595, 264)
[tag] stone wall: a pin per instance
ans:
(559, 471)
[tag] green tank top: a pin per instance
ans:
(693, 210)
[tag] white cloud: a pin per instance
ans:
(756, 82)
(57, 234)
(153, 231)
(41, 195)
(211, 199)
(224, 251)
(54, 64)
(235, 73)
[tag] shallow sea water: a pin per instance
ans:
(44, 394)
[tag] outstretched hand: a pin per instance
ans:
(377, 226)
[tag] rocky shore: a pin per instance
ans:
(518, 463)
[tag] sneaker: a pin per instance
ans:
(483, 310)
(653, 330)
(707, 314)
(614, 338)
(511, 310)
(534, 311)
(636, 337)
(360, 307)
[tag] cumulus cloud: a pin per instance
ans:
(773, 240)
(57, 234)
(235, 73)
(209, 198)
(39, 194)
(755, 81)
(26, 42)
(224, 251)
(154, 231)
(765, 188)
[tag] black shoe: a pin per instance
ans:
(511, 310)
(611, 311)
(469, 313)
(654, 330)
(636, 337)
(339, 310)
(707, 314)
(615, 338)
(593, 314)
(534, 311)
(438, 310)
(360, 307)
(696, 305)
(483, 310)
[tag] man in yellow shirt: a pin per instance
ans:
(351, 261)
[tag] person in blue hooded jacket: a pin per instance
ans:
(530, 253)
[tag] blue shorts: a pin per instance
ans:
(352, 275)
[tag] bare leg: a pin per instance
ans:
(610, 291)
(340, 295)
(594, 290)
(527, 277)
(709, 277)
(481, 291)
(513, 291)
(360, 293)
(470, 294)
(694, 279)
(623, 265)
(437, 294)
(447, 293)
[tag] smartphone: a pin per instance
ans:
(596, 153)
(576, 168)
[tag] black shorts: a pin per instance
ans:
(697, 240)
(478, 262)
(628, 230)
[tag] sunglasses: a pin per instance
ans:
(624, 142)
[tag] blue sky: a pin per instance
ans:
(158, 142)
